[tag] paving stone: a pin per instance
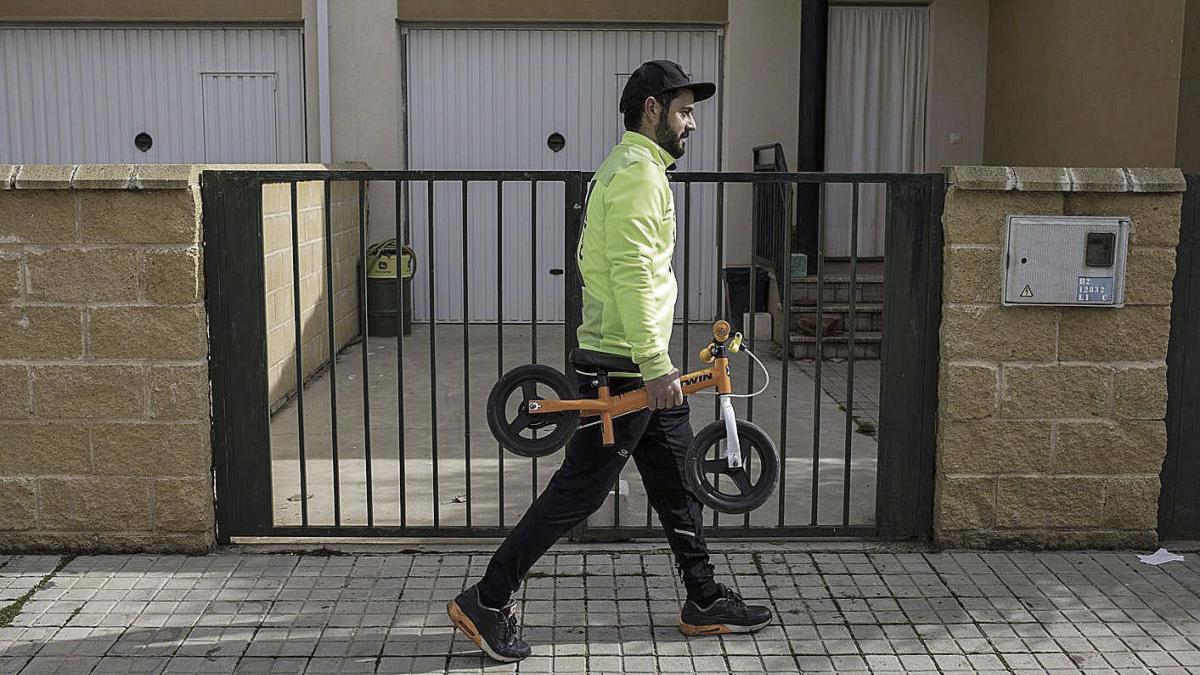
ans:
(838, 611)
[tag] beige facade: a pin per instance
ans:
(957, 83)
(1048, 435)
(150, 10)
(1084, 82)
(1187, 154)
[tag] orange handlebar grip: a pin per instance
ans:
(706, 355)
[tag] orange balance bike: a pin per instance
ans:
(732, 465)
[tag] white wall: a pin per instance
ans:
(761, 94)
(957, 82)
(365, 100)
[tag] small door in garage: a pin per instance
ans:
(239, 118)
(492, 99)
(150, 95)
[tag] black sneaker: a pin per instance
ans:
(495, 631)
(727, 614)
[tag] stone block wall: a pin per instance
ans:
(314, 291)
(1051, 427)
(104, 389)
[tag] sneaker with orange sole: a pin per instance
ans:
(727, 614)
(495, 631)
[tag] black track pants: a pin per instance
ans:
(659, 442)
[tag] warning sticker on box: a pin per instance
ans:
(1095, 290)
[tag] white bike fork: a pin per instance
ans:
(733, 448)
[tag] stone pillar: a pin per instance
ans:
(1051, 425)
(104, 390)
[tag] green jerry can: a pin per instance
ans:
(385, 260)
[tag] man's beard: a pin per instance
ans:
(667, 139)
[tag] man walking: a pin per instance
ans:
(628, 307)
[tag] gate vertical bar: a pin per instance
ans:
(241, 431)
(850, 359)
(716, 517)
(331, 293)
(500, 329)
(400, 355)
(299, 346)
(687, 275)
(785, 287)
(687, 269)
(749, 332)
(533, 211)
(433, 388)
(816, 450)
(574, 198)
(573, 219)
(466, 315)
(909, 368)
(362, 314)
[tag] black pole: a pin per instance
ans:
(814, 32)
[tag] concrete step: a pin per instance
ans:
(867, 345)
(836, 289)
(868, 316)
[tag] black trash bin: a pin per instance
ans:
(737, 292)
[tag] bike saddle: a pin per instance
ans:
(602, 362)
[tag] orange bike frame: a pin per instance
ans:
(608, 407)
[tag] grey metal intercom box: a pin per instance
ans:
(1065, 260)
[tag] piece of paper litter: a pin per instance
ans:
(1160, 556)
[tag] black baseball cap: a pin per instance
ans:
(654, 77)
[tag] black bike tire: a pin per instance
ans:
(749, 434)
(566, 422)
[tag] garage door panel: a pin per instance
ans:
(81, 95)
(489, 99)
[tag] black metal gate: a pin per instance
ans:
(1179, 501)
(247, 474)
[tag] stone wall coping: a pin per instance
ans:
(1066, 179)
(133, 176)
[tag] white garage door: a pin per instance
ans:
(490, 99)
(83, 95)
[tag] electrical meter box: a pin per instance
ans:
(1065, 260)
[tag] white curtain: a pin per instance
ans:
(874, 113)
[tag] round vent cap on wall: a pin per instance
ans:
(556, 142)
(143, 141)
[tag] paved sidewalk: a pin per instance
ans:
(587, 609)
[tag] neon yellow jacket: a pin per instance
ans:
(625, 254)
